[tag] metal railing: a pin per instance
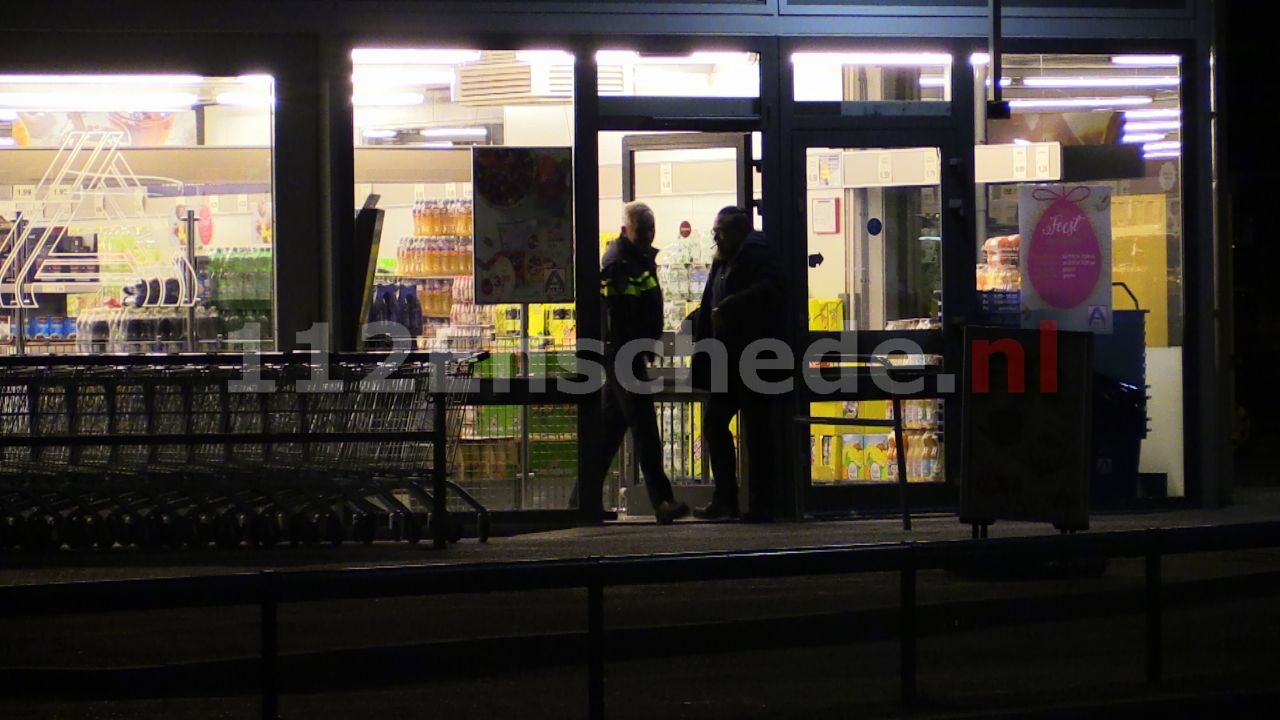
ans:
(269, 590)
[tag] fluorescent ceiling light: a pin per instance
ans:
(1162, 125)
(99, 101)
(1094, 102)
(1152, 114)
(101, 79)
(256, 79)
(379, 134)
(384, 76)
(725, 58)
(386, 99)
(886, 59)
(617, 56)
(1159, 146)
(454, 132)
(1021, 141)
(979, 59)
(544, 56)
(436, 144)
(933, 82)
(1162, 154)
(1040, 81)
(1142, 138)
(1147, 60)
(407, 56)
(246, 99)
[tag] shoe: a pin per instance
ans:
(716, 510)
(668, 511)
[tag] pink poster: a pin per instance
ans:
(1065, 261)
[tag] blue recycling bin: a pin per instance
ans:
(1119, 409)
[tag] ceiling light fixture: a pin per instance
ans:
(1162, 154)
(99, 101)
(1147, 60)
(375, 134)
(1086, 102)
(1152, 114)
(1159, 146)
(458, 132)
(388, 76)
(544, 56)
(1142, 138)
(387, 99)
(410, 56)
(1041, 81)
(246, 99)
(101, 79)
(1144, 126)
(887, 59)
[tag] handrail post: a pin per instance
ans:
(270, 631)
(907, 627)
(1155, 610)
(595, 644)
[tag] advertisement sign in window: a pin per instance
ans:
(1065, 260)
(523, 225)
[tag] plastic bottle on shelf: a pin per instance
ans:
(915, 457)
(890, 471)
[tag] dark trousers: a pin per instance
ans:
(623, 409)
(757, 437)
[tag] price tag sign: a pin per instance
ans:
(1020, 163)
(242, 204)
(99, 206)
(665, 178)
(884, 168)
(214, 204)
(419, 191)
(1043, 157)
(451, 191)
(24, 192)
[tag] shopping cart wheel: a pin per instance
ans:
(304, 529)
(41, 533)
(365, 528)
(81, 530)
(412, 530)
(334, 531)
(203, 531)
(264, 531)
(229, 530)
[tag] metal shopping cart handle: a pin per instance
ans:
(477, 357)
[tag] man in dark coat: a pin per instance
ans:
(742, 303)
(633, 311)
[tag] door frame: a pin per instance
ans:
(959, 252)
(739, 142)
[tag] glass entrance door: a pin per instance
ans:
(873, 226)
(685, 178)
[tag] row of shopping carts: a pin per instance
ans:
(190, 451)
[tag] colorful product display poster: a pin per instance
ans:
(523, 225)
(1065, 260)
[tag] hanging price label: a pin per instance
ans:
(419, 191)
(213, 203)
(884, 169)
(24, 192)
(242, 204)
(99, 206)
(451, 191)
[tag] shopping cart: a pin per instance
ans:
(192, 450)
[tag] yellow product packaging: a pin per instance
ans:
(826, 314)
(853, 457)
(877, 457)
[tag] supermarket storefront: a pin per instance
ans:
(228, 150)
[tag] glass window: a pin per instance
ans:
(697, 74)
(870, 77)
(1074, 102)
(843, 453)
(874, 238)
(419, 114)
(135, 213)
